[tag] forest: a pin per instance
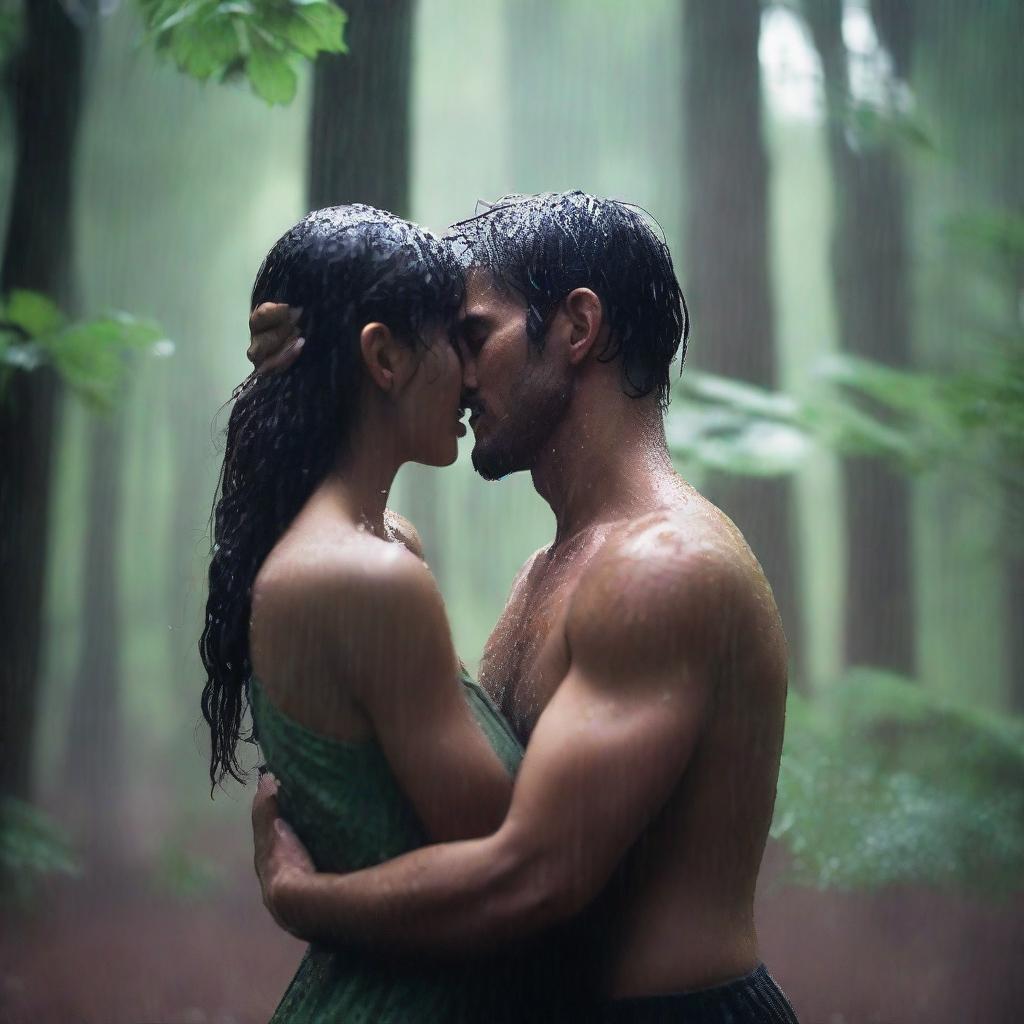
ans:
(840, 183)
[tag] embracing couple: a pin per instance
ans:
(576, 837)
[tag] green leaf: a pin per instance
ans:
(260, 38)
(878, 125)
(739, 395)
(33, 312)
(89, 356)
(722, 440)
(327, 23)
(202, 48)
(164, 22)
(904, 390)
(271, 75)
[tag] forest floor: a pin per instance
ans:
(122, 951)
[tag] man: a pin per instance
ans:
(640, 656)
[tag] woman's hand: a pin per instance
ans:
(274, 341)
(280, 856)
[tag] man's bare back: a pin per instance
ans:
(681, 910)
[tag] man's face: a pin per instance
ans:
(516, 395)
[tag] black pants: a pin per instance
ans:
(752, 999)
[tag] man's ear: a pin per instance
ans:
(385, 358)
(586, 319)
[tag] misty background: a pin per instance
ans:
(841, 186)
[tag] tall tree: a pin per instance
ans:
(93, 782)
(968, 72)
(726, 248)
(47, 85)
(360, 151)
(359, 142)
(870, 264)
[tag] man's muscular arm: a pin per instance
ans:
(643, 631)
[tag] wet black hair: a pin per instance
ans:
(346, 266)
(543, 246)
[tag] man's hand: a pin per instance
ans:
(279, 854)
(274, 341)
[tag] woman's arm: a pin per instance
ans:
(393, 642)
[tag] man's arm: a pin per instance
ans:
(602, 761)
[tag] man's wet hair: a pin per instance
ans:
(543, 246)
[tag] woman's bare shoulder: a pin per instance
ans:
(358, 615)
(356, 572)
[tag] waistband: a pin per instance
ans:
(754, 998)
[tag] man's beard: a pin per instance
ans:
(537, 406)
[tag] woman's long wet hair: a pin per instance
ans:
(345, 266)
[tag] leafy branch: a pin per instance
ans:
(89, 355)
(256, 39)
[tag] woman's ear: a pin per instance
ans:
(385, 358)
(586, 319)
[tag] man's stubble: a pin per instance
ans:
(537, 405)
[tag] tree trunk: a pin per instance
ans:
(726, 253)
(969, 73)
(47, 83)
(871, 274)
(359, 132)
(93, 749)
(360, 151)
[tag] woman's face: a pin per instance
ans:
(432, 411)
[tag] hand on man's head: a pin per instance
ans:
(274, 340)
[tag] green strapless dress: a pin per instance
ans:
(345, 804)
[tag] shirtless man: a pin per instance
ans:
(640, 657)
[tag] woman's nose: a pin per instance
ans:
(468, 371)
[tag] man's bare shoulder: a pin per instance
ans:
(674, 583)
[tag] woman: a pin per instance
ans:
(323, 619)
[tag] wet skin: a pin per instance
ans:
(641, 658)
(688, 918)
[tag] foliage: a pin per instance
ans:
(88, 355)
(915, 421)
(258, 39)
(738, 428)
(973, 420)
(889, 784)
(876, 125)
(32, 847)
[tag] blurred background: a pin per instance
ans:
(841, 183)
